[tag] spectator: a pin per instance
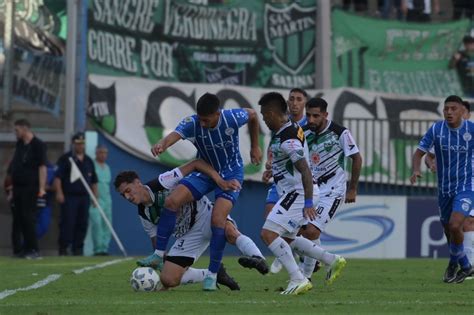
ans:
(420, 10)
(386, 7)
(463, 61)
(27, 172)
(73, 197)
(99, 230)
(463, 6)
(359, 5)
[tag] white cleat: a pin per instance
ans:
(276, 266)
(296, 287)
(334, 271)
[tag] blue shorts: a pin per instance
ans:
(272, 195)
(200, 184)
(462, 202)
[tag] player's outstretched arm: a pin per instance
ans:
(416, 163)
(254, 129)
(165, 143)
(355, 173)
(302, 166)
(203, 167)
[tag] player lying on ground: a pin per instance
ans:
(192, 229)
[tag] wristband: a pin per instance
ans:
(308, 203)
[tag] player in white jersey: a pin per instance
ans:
(468, 226)
(329, 145)
(294, 181)
(192, 229)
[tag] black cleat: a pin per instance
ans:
(254, 262)
(317, 266)
(463, 274)
(224, 279)
(450, 273)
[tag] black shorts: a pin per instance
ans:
(180, 260)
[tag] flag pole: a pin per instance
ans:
(75, 174)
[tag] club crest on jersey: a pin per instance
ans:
(467, 136)
(229, 131)
(315, 158)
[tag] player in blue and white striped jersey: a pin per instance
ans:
(215, 134)
(453, 146)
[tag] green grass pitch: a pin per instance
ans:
(365, 286)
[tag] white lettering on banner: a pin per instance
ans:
(209, 23)
(131, 15)
(112, 49)
(282, 24)
(426, 240)
(157, 57)
(290, 81)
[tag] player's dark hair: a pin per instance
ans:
(467, 105)
(207, 104)
(22, 122)
(125, 177)
(453, 99)
(317, 102)
(298, 90)
(274, 99)
(468, 39)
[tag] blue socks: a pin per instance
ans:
(457, 255)
(216, 248)
(165, 228)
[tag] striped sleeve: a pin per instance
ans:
(426, 143)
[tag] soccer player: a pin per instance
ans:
(193, 228)
(296, 104)
(468, 226)
(293, 178)
(329, 144)
(453, 145)
(215, 134)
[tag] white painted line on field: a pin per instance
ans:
(34, 286)
(54, 277)
(101, 265)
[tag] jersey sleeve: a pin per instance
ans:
(186, 128)
(294, 149)
(348, 143)
(240, 115)
(426, 143)
(170, 179)
(148, 227)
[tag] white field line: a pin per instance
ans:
(34, 286)
(54, 277)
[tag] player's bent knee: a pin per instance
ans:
(172, 203)
(311, 232)
(231, 233)
(169, 281)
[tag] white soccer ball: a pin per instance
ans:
(144, 279)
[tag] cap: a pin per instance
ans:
(79, 138)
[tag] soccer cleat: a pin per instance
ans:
(335, 269)
(254, 262)
(296, 287)
(153, 261)
(224, 279)
(317, 266)
(450, 273)
(276, 266)
(462, 274)
(209, 283)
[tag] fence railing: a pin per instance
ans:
(387, 147)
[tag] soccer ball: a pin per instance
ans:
(144, 279)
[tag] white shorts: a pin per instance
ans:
(196, 240)
(287, 214)
(326, 208)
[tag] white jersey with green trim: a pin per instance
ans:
(327, 152)
(288, 145)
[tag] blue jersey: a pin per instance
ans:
(303, 121)
(218, 146)
(454, 157)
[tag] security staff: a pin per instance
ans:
(73, 197)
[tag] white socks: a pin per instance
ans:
(282, 251)
(309, 263)
(468, 240)
(247, 247)
(160, 253)
(193, 275)
(307, 248)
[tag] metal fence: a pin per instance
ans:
(387, 147)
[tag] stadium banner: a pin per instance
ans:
(395, 57)
(251, 43)
(39, 62)
(374, 227)
(136, 113)
(425, 236)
